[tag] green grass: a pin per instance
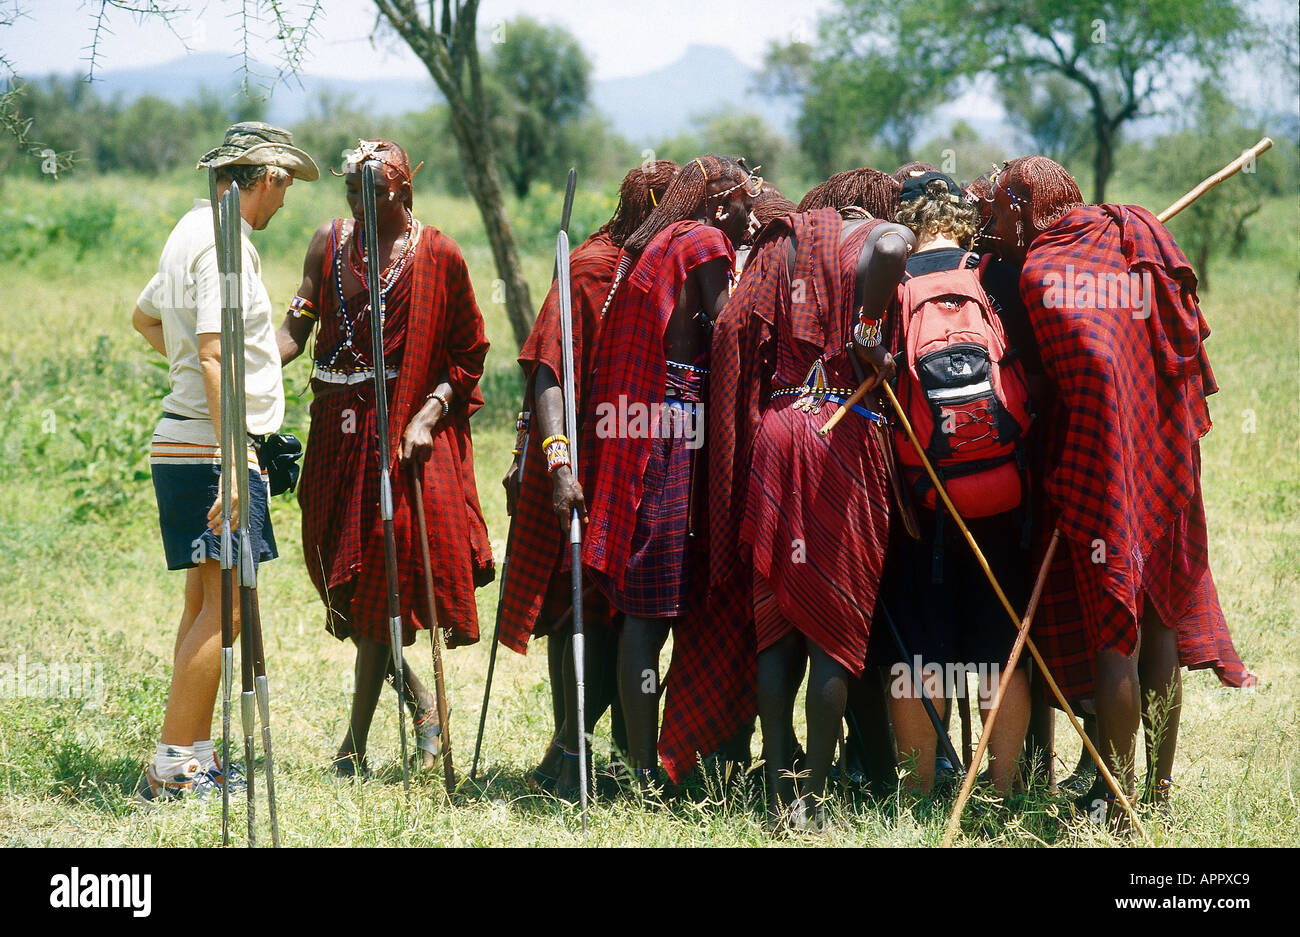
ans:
(84, 581)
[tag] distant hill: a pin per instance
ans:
(644, 108)
(300, 97)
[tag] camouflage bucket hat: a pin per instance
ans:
(253, 143)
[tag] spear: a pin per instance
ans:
(575, 521)
(226, 445)
(569, 188)
(373, 262)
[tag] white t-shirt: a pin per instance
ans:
(185, 294)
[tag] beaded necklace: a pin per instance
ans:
(386, 280)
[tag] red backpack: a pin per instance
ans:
(966, 400)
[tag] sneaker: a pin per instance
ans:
(196, 783)
(238, 782)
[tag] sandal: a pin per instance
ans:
(428, 738)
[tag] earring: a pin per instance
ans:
(721, 215)
(1020, 234)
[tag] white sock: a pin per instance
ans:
(203, 751)
(171, 760)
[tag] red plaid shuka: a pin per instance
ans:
(816, 511)
(339, 488)
(1112, 301)
(537, 585)
(632, 363)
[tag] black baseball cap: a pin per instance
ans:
(914, 187)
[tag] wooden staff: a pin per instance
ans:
(1231, 169)
(986, 733)
(1015, 619)
(845, 407)
(439, 687)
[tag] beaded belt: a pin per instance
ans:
(349, 377)
(812, 404)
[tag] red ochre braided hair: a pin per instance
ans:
(1045, 187)
(643, 188)
(866, 188)
(696, 182)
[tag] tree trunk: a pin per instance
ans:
(451, 56)
(1102, 163)
(485, 187)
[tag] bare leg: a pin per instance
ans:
(780, 669)
(1118, 714)
(639, 645)
(196, 673)
(373, 665)
(868, 710)
(1008, 738)
(824, 708)
(1162, 700)
(912, 729)
(601, 647)
(1040, 742)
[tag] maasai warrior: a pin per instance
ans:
(1002, 280)
(433, 348)
(867, 189)
(950, 616)
(644, 540)
(537, 589)
(1112, 301)
(806, 559)
(179, 313)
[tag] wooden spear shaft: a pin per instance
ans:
(986, 733)
(1227, 171)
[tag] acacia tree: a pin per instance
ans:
(539, 80)
(1122, 56)
(448, 47)
(445, 41)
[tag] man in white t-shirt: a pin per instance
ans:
(179, 313)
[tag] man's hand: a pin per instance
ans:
(567, 495)
(417, 441)
(880, 360)
(511, 484)
(214, 512)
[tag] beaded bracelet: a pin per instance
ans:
(867, 333)
(442, 399)
(302, 308)
(557, 452)
(521, 432)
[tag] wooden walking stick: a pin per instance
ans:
(1210, 182)
(440, 688)
(373, 262)
(1006, 604)
(845, 407)
(986, 732)
(566, 211)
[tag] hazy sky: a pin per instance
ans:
(622, 37)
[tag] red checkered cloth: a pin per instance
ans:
(539, 554)
(630, 364)
(663, 563)
(816, 510)
(713, 690)
(339, 488)
(1113, 304)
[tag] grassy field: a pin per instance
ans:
(84, 584)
